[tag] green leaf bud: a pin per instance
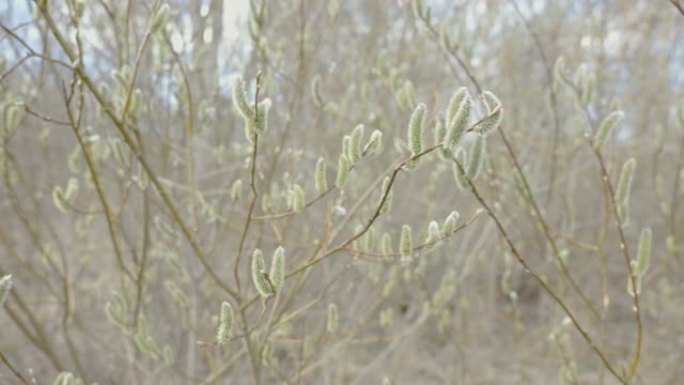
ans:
(415, 129)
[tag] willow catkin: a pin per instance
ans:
(455, 102)
(159, 19)
(374, 142)
(458, 124)
(321, 177)
(297, 198)
(644, 253)
(434, 234)
(277, 272)
(459, 168)
(342, 171)
(261, 119)
(406, 243)
(587, 89)
(415, 129)
(236, 190)
(345, 146)
(240, 99)
(226, 320)
(354, 149)
(490, 101)
(5, 287)
(494, 114)
(449, 225)
(259, 277)
(490, 122)
(625, 184)
(440, 132)
(606, 127)
(476, 158)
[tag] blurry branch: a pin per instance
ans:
(613, 207)
(12, 369)
(123, 129)
(48, 119)
(32, 53)
(75, 127)
(425, 17)
(425, 245)
(677, 5)
(401, 166)
(528, 195)
(552, 98)
(542, 282)
(252, 188)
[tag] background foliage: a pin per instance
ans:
(132, 201)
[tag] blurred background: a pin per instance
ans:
(131, 199)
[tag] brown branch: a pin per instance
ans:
(679, 7)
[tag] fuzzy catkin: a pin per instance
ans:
(342, 171)
(606, 127)
(297, 197)
(434, 233)
(415, 129)
(449, 225)
(458, 124)
(490, 122)
(320, 177)
(455, 102)
(644, 253)
(406, 242)
(374, 142)
(261, 119)
(277, 272)
(226, 320)
(354, 152)
(476, 159)
(240, 99)
(490, 101)
(459, 168)
(440, 132)
(625, 182)
(160, 18)
(236, 191)
(259, 276)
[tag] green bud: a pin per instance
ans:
(625, 182)
(458, 124)
(449, 225)
(476, 159)
(261, 280)
(236, 190)
(297, 198)
(415, 129)
(406, 243)
(342, 171)
(277, 272)
(354, 150)
(321, 177)
(606, 127)
(644, 253)
(226, 320)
